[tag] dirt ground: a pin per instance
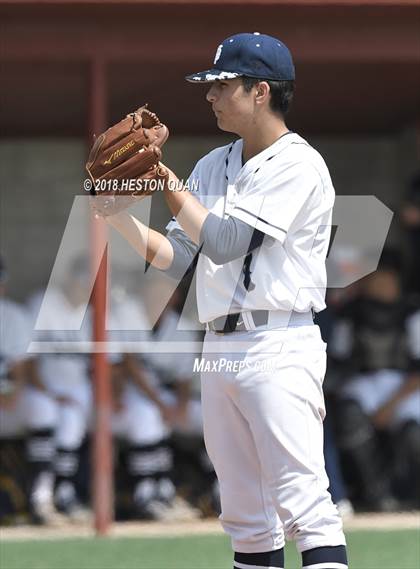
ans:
(195, 527)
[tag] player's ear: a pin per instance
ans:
(262, 91)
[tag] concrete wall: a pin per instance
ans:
(41, 177)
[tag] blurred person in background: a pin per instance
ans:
(376, 344)
(410, 217)
(152, 398)
(65, 376)
(141, 417)
(346, 263)
(26, 409)
(181, 390)
(337, 487)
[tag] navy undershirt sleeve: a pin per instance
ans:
(227, 239)
(222, 240)
(185, 252)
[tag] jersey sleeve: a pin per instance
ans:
(273, 197)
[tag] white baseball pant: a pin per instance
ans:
(263, 432)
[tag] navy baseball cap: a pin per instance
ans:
(253, 55)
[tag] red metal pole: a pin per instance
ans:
(102, 463)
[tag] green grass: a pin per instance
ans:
(367, 550)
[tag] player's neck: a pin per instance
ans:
(262, 136)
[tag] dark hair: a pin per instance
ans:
(281, 93)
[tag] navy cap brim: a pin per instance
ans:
(211, 75)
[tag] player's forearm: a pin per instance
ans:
(150, 244)
(140, 380)
(411, 384)
(147, 389)
(189, 212)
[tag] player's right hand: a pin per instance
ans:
(172, 179)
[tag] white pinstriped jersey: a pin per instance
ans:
(286, 192)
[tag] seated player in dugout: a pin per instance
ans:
(260, 225)
(65, 378)
(375, 347)
(27, 411)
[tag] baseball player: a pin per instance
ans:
(139, 414)
(376, 343)
(65, 377)
(25, 407)
(261, 226)
(179, 390)
(146, 411)
(175, 371)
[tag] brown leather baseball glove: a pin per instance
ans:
(124, 161)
